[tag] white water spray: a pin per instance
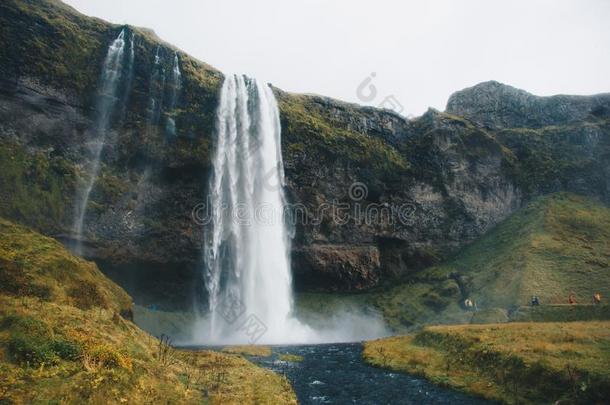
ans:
(106, 101)
(247, 263)
(247, 242)
(175, 85)
(155, 90)
(129, 79)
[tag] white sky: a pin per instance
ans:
(421, 51)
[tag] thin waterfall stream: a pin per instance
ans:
(108, 96)
(174, 91)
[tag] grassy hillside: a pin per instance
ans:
(515, 363)
(65, 337)
(556, 245)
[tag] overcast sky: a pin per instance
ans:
(419, 51)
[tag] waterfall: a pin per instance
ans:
(247, 244)
(129, 79)
(155, 90)
(107, 97)
(175, 84)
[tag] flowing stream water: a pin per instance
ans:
(336, 374)
(106, 102)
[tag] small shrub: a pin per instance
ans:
(31, 350)
(27, 326)
(12, 277)
(31, 342)
(450, 288)
(166, 353)
(105, 356)
(66, 350)
(14, 281)
(87, 295)
(126, 313)
(435, 301)
(41, 291)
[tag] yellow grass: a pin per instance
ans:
(514, 363)
(55, 349)
(251, 350)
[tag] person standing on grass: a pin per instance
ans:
(572, 299)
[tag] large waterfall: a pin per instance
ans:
(107, 98)
(247, 263)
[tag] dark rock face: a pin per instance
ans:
(450, 184)
(375, 196)
(497, 105)
(336, 267)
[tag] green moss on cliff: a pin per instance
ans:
(35, 188)
(47, 40)
(50, 43)
(305, 128)
(558, 157)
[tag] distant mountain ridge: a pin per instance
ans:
(498, 105)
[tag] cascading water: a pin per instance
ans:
(175, 85)
(155, 91)
(129, 80)
(107, 97)
(247, 264)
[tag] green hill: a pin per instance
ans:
(66, 337)
(555, 245)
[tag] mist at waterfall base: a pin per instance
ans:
(246, 270)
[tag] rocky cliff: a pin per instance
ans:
(497, 105)
(375, 196)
